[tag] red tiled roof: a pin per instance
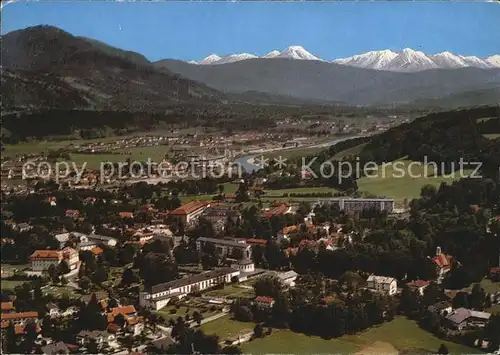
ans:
(264, 299)
(276, 211)
(442, 261)
(230, 196)
(418, 283)
(7, 306)
(46, 254)
(495, 270)
(72, 212)
(188, 208)
(125, 310)
(113, 328)
(126, 215)
(96, 251)
(21, 315)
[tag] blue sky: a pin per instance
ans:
(193, 30)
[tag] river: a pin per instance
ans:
(249, 167)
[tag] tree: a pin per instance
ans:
(268, 286)
(84, 284)
(198, 317)
(129, 277)
(63, 268)
(10, 339)
(258, 331)
(231, 350)
(443, 350)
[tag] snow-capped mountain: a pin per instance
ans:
(272, 54)
(407, 60)
(296, 52)
(292, 52)
(373, 59)
(494, 60)
(211, 59)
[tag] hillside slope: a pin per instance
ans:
(333, 82)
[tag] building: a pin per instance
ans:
(231, 248)
(41, 260)
(462, 318)
(278, 211)
(442, 308)
(495, 273)
(221, 213)
(361, 204)
(19, 318)
(383, 284)
(55, 348)
(264, 302)
(288, 278)
(419, 286)
(244, 265)
(101, 239)
(128, 314)
(101, 338)
(158, 296)
(190, 211)
(7, 307)
(443, 264)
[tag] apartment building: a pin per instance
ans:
(382, 284)
(227, 247)
(190, 211)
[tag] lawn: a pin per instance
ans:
(181, 312)
(401, 333)
(492, 136)
(231, 290)
(226, 328)
(299, 190)
(10, 285)
(295, 152)
(488, 286)
(393, 184)
(494, 310)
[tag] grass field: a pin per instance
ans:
(299, 190)
(181, 312)
(492, 136)
(354, 151)
(226, 328)
(494, 310)
(10, 285)
(488, 286)
(392, 185)
(295, 152)
(401, 333)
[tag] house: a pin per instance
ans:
(387, 285)
(126, 318)
(190, 211)
(361, 204)
(72, 213)
(126, 215)
(41, 260)
(63, 238)
(288, 278)
(22, 227)
(264, 302)
(442, 308)
(462, 318)
(418, 285)
(101, 338)
(19, 318)
(7, 307)
(278, 211)
(231, 248)
(101, 239)
(443, 264)
(158, 296)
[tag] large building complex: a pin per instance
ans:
(158, 296)
(41, 260)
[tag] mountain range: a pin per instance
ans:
(407, 60)
(46, 67)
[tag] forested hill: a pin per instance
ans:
(441, 137)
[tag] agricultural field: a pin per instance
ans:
(389, 338)
(392, 185)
